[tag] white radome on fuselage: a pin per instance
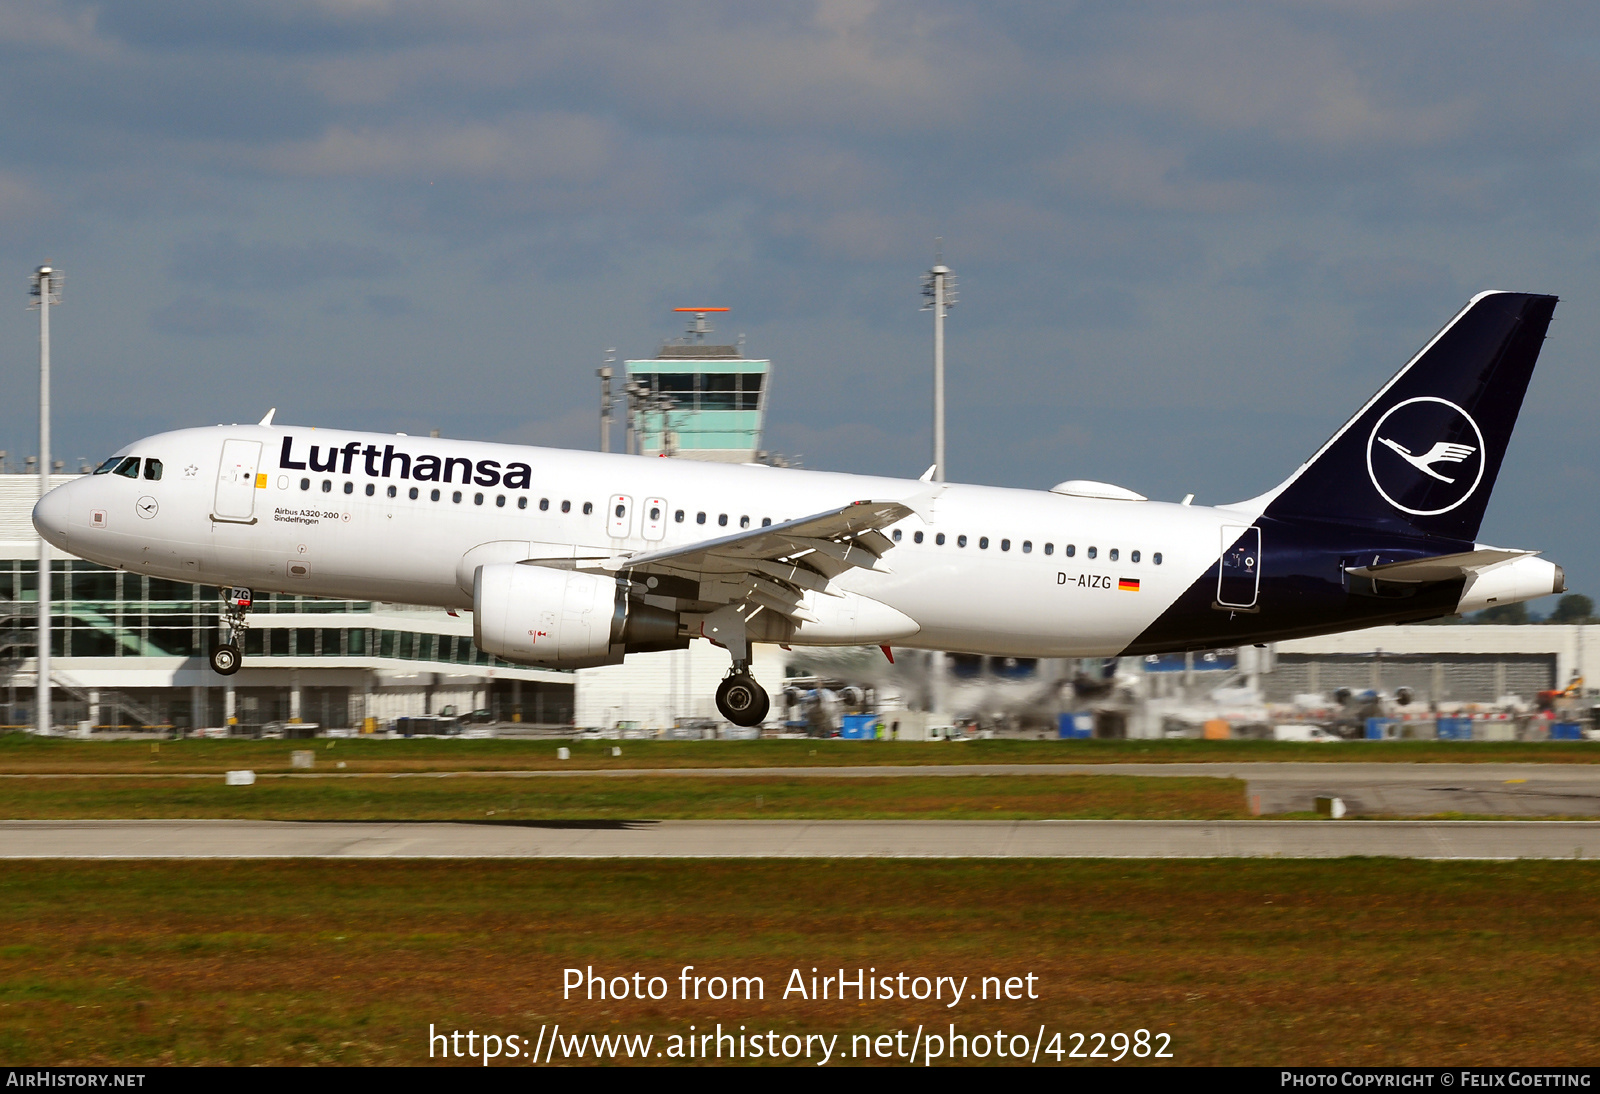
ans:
(327, 542)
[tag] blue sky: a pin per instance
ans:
(1191, 238)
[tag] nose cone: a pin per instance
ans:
(50, 517)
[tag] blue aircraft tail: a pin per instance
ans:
(1422, 456)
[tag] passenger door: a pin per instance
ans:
(1239, 578)
(237, 480)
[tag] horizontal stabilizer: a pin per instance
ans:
(1437, 568)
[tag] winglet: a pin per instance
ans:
(927, 476)
(268, 419)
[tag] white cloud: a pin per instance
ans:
(529, 146)
(40, 24)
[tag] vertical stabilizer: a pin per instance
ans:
(1423, 454)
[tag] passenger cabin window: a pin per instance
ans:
(1005, 545)
(699, 518)
(678, 517)
(916, 537)
(744, 522)
(588, 507)
(896, 539)
(1072, 549)
(1156, 558)
(499, 501)
(1093, 551)
(455, 496)
(622, 510)
(392, 491)
(305, 484)
(1133, 556)
(766, 522)
(128, 468)
(1114, 554)
(1049, 548)
(522, 503)
(327, 486)
(372, 489)
(349, 488)
(566, 507)
(722, 520)
(961, 541)
(477, 499)
(983, 543)
(939, 539)
(434, 494)
(544, 504)
(152, 469)
(1027, 546)
(413, 493)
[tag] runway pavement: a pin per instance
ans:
(1370, 789)
(201, 839)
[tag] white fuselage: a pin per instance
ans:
(1019, 572)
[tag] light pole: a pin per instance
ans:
(46, 286)
(939, 290)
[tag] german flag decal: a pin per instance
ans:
(1128, 584)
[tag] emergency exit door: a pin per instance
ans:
(619, 516)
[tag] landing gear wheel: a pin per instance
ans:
(742, 701)
(225, 659)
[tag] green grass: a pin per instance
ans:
(22, 753)
(1345, 962)
(1008, 797)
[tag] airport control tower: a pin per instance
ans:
(697, 401)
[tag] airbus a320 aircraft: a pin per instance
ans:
(569, 559)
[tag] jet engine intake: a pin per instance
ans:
(539, 615)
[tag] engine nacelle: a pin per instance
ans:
(538, 615)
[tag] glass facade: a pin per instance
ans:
(710, 405)
(99, 612)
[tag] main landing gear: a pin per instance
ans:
(740, 699)
(227, 657)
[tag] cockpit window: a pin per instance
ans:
(152, 469)
(128, 468)
(106, 467)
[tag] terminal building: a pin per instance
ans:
(131, 650)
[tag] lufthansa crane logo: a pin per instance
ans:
(1425, 456)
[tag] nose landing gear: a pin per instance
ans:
(227, 657)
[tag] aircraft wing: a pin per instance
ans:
(1437, 568)
(777, 565)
